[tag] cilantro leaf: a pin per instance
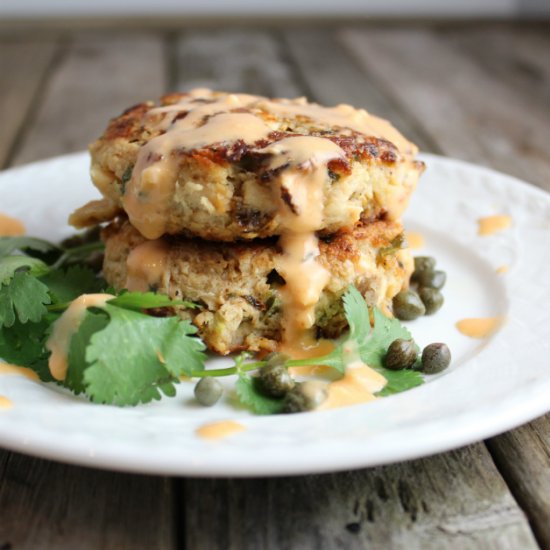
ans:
(23, 344)
(146, 300)
(66, 285)
(357, 315)
(399, 381)
(136, 356)
(10, 244)
(10, 264)
(92, 323)
(24, 298)
(384, 332)
(252, 399)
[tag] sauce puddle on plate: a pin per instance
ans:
(6, 368)
(5, 403)
(492, 224)
(11, 227)
(479, 327)
(220, 430)
(415, 240)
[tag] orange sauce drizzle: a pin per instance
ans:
(64, 328)
(6, 368)
(492, 224)
(146, 265)
(479, 327)
(5, 403)
(220, 430)
(10, 227)
(503, 269)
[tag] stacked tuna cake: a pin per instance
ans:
(260, 211)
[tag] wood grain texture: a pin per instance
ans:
(518, 57)
(236, 60)
(98, 77)
(453, 500)
(468, 112)
(523, 457)
(331, 76)
(338, 511)
(49, 505)
(23, 66)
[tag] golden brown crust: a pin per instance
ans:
(236, 285)
(224, 191)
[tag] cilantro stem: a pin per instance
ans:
(229, 371)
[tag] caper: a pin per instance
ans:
(401, 354)
(431, 298)
(208, 391)
(274, 380)
(423, 263)
(431, 279)
(407, 305)
(305, 396)
(435, 358)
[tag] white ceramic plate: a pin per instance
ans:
(492, 386)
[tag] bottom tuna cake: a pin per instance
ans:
(236, 285)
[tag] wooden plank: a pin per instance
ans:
(518, 56)
(236, 60)
(492, 122)
(23, 66)
(331, 76)
(453, 500)
(99, 76)
(466, 110)
(338, 510)
(49, 505)
(523, 457)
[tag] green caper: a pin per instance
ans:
(435, 358)
(305, 396)
(423, 263)
(407, 305)
(208, 391)
(274, 380)
(431, 279)
(401, 354)
(431, 298)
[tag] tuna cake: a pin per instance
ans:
(239, 288)
(214, 165)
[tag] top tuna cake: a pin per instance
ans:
(208, 164)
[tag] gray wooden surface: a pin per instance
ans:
(481, 93)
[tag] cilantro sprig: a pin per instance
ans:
(122, 354)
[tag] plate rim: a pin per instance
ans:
(113, 459)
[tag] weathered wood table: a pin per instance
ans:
(476, 92)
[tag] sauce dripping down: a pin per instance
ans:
(155, 174)
(11, 227)
(145, 265)
(297, 166)
(220, 430)
(479, 327)
(63, 329)
(6, 368)
(5, 403)
(492, 224)
(300, 190)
